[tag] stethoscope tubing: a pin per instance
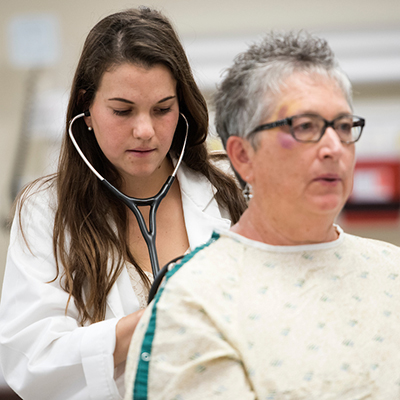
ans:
(160, 276)
(149, 235)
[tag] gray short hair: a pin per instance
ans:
(248, 90)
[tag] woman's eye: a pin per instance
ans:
(304, 127)
(121, 112)
(163, 110)
(344, 127)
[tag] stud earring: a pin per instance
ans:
(89, 128)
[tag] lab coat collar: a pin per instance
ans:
(196, 186)
(201, 211)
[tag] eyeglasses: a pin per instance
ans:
(308, 128)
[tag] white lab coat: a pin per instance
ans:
(44, 352)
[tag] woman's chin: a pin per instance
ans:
(331, 204)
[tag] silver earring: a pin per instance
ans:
(89, 128)
(247, 192)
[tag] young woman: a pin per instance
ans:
(78, 269)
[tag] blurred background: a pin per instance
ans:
(40, 42)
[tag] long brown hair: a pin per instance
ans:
(90, 228)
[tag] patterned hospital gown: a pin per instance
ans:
(240, 319)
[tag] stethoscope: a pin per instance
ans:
(133, 203)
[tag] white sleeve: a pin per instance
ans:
(44, 352)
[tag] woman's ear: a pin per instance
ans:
(240, 152)
(88, 119)
(88, 122)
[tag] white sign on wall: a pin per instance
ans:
(34, 40)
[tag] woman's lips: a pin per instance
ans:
(328, 179)
(141, 152)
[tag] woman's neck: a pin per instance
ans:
(148, 186)
(284, 230)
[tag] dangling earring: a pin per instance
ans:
(89, 128)
(247, 192)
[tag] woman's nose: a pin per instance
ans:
(331, 146)
(143, 128)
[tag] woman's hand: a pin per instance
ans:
(124, 331)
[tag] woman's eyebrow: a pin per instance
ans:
(166, 99)
(121, 100)
(131, 102)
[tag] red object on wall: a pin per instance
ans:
(376, 192)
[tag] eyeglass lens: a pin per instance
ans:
(310, 127)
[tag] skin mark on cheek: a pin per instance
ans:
(286, 140)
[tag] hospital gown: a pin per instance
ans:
(240, 319)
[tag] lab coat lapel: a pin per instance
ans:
(201, 211)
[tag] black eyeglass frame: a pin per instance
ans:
(288, 121)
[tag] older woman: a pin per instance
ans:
(285, 305)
